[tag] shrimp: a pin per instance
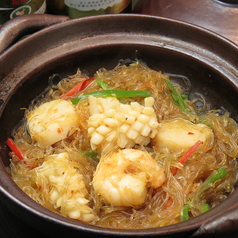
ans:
(52, 122)
(123, 177)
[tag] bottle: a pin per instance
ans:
(81, 8)
(13, 8)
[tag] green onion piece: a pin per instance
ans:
(177, 97)
(184, 213)
(102, 84)
(205, 207)
(219, 174)
(113, 93)
(215, 176)
(91, 154)
(184, 96)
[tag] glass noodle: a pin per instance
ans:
(163, 205)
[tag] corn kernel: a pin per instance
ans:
(59, 202)
(146, 130)
(132, 134)
(114, 104)
(146, 141)
(130, 119)
(100, 117)
(74, 214)
(100, 109)
(82, 200)
(143, 118)
(153, 123)
(122, 141)
(124, 128)
(149, 102)
(93, 105)
(91, 130)
(54, 194)
(103, 130)
(108, 103)
(110, 113)
(137, 126)
(93, 122)
(136, 106)
(148, 111)
(105, 104)
(120, 117)
(134, 113)
(97, 138)
(139, 139)
(87, 217)
(110, 122)
(153, 133)
(111, 136)
(124, 108)
(94, 147)
(130, 144)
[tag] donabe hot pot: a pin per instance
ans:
(61, 46)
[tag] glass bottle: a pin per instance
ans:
(81, 8)
(13, 8)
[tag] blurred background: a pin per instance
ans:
(220, 16)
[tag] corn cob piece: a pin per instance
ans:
(64, 186)
(124, 125)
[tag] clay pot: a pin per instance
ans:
(62, 46)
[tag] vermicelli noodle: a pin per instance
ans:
(63, 176)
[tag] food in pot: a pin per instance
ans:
(52, 121)
(123, 177)
(124, 149)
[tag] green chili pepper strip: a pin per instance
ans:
(184, 96)
(185, 211)
(102, 84)
(205, 207)
(113, 93)
(216, 175)
(92, 154)
(175, 95)
(219, 174)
